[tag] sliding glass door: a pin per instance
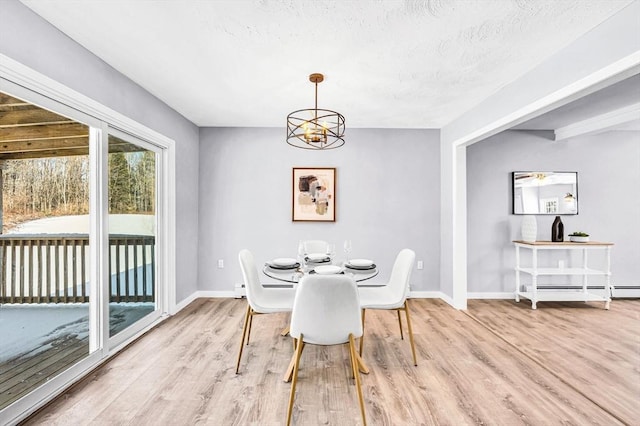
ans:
(133, 194)
(84, 258)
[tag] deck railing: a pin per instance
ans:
(54, 268)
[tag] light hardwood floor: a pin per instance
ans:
(498, 363)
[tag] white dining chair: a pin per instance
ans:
(260, 300)
(315, 246)
(392, 296)
(325, 312)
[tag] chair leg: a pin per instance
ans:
(295, 378)
(362, 337)
(356, 374)
(352, 361)
(289, 372)
(413, 347)
(249, 330)
(244, 333)
(400, 323)
(361, 364)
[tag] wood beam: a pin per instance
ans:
(43, 144)
(30, 117)
(59, 148)
(30, 155)
(55, 131)
(8, 99)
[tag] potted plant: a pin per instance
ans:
(579, 237)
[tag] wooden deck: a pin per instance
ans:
(20, 375)
(499, 363)
(23, 373)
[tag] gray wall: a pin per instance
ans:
(30, 40)
(387, 199)
(608, 167)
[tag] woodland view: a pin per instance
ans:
(59, 186)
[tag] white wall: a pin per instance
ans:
(387, 198)
(30, 40)
(608, 167)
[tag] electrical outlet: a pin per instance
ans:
(420, 264)
(220, 263)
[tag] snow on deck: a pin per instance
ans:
(130, 224)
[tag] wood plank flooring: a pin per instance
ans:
(499, 363)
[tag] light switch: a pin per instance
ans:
(420, 264)
(220, 263)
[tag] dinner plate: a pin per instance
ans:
(284, 268)
(284, 261)
(327, 269)
(361, 263)
(360, 268)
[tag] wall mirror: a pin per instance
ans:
(545, 192)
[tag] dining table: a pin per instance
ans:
(289, 271)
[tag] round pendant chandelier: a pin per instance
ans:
(315, 128)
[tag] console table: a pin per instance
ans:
(581, 295)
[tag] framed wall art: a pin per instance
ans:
(313, 194)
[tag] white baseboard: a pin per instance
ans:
(492, 295)
(220, 294)
(426, 295)
(202, 294)
(626, 292)
(616, 292)
(239, 292)
(184, 303)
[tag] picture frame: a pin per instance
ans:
(313, 194)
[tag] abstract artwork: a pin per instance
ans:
(314, 194)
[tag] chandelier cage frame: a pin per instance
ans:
(324, 130)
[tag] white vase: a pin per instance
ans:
(529, 228)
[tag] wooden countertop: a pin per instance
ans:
(563, 243)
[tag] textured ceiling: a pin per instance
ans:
(387, 63)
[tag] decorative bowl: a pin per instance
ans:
(578, 239)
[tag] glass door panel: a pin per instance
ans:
(45, 267)
(132, 232)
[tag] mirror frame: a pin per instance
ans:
(544, 174)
